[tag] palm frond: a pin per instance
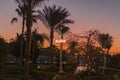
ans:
(67, 21)
(53, 16)
(34, 18)
(14, 20)
(43, 17)
(35, 3)
(18, 11)
(105, 40)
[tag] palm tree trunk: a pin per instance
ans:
(28, 43)
(103, 71)
(33, 52)
(27, 57)
(21, 45)
(61, 66)
(51, 45)
(104, 61)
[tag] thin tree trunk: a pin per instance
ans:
(21, 45)
(27, 57)
(88, 52)
(103, 71)
(28, 45)
(61, 65)
(103, 64)
(33, 52)
(51, 45)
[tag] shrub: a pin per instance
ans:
(41, 75)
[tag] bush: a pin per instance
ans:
(41, 75)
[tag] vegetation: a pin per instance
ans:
(3, 52)
(30, 6)
(105, 40)
(22, 12)
(37, 43)
(90, 49)
(52, 18)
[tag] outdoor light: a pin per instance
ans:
(60, 41)
(38, 67)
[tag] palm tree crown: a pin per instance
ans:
(105, 40)
(63, 30)
(52, 17)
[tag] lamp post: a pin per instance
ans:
(76, 57)
(61, 41)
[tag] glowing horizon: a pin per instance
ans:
(103, 15)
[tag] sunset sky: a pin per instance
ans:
(103, 15)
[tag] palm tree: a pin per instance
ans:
(61, 31)
(105, 41)
(109, 44)
(30, 6)
(21, 11)
(52, 17)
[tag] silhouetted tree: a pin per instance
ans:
(30, 6)
(105, 41)
(53, 17)
(61, 30)
(21, 11)
(3, 51)
(15, 46)
(37, 42)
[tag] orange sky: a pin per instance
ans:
(103, 15)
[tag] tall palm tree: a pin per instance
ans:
(105, 41)
(30, 6)
(21, 11)
(61, 31)
(52, 17)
